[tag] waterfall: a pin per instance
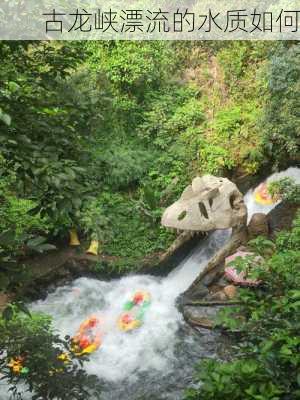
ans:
(155, 361)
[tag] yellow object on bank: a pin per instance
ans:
(74, 241)
(94, 248)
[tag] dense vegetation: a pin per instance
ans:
(101, 136)
(47, 368)
(266, 361)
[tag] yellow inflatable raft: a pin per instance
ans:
(88, 338)
(262, 195)
(133, 311)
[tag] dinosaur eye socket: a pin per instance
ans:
(232, 199)
(182, 215)
(203, 210)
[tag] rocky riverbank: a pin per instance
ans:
(211, 291)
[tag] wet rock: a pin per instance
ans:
(214, 269)
(162, 263)
(213, 276)
(258, 225)
(222, 282)
(230, 291)
(219, 296)
(201, 316)
(282, 216)
(202, 323)
(199, 292)
(216, 287)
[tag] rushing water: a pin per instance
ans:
(253, 207)
(157, 360)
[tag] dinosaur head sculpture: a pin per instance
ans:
(207, 204)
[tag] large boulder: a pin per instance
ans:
(282, 217)
(230, 291)
(207, 204)
(258, 225)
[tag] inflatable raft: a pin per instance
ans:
(88, 338)
(133, 311)
(262, 195)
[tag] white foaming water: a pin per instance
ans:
(149, 348)
(156, 360)
(253, 207)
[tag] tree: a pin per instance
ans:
(31, 353)
(281, 122)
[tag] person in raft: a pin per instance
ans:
(87, 337)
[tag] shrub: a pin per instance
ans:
(45, 374)
(266, 360)
(286, 189)
(281, 121)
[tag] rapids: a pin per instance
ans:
(253, 207)
(157, 360)
(143, 362)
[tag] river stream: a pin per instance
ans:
(156, 361)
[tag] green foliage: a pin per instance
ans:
(215, 158)
(103, 136)
(234, 61)
(236, 101)
(281, 122)
(239, 380)
(46, 375)
(129, 119)
(286, 189)
(122, 166)
(131, 66)
(289, 240)
(171, 110)
(133, 233)
(13, 272)
(20, 232)
(5, 118)
(130, 70)
(241, 60)
(266, 362)
(14, 211)
(45, 143)
(232, 137)
(63, 193)
(38, 244)
(171, 126)
(10, 270)
(94, 222)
